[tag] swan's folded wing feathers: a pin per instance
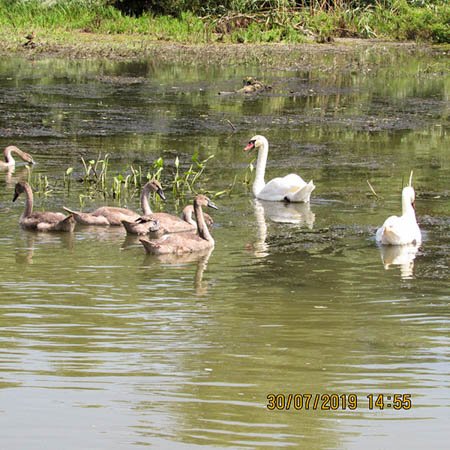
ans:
(47, 217)
(294, 180)
(303, 194)
(289, 187)
(398, 231)
(274, 190)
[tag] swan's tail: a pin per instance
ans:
(87, 218)
(77, 215)
(70, 211)
(68, 224)
(129, 226)
(145, 226)
(303, 194)
(150, 247)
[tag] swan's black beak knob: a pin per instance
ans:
(250, 146)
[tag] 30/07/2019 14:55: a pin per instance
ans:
(333, 402)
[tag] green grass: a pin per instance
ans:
(430, 22)
(393, 19)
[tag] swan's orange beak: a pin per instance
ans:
(250, 146)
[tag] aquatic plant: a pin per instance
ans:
(67, 179)
(248, 174)
(39, 183)
(98, 180)
(95, 172)
(187, 180)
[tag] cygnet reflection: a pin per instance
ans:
(200, 258)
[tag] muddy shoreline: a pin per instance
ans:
(126, 47)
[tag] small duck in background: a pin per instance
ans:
(30, 40)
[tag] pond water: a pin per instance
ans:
(104, 347)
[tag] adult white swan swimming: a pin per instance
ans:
(402, 230)
(291, 188)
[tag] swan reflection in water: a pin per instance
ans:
(13, 176)
(289, 213)
(33, 241)
(399, 255)
(200, 258)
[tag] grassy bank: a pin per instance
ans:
(64, 21)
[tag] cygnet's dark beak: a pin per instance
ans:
(16, 194)
(160, 192)
(155, 225)
(212, 205)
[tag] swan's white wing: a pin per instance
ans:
(274, 190)
(399, 231)
(280, 188)
(303, 194)
(294, 180)
(385, 233)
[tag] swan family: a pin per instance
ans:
(162, 233)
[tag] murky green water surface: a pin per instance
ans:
(103, 347)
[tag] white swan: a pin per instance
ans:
(290, 188)
(402, 230)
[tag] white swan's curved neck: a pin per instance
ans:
(259, 182)
(145, 204)
(407, 207)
